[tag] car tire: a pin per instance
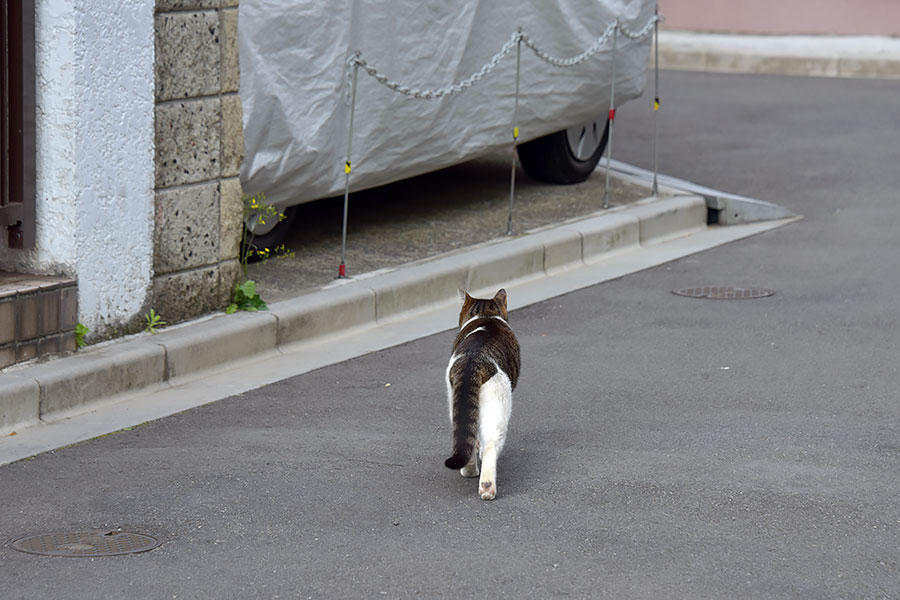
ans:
(567, 156)
(276, 235)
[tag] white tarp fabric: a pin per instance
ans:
(294, 79)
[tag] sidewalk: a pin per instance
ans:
(821, 56)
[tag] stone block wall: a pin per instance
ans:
(199, 147)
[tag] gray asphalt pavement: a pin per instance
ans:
(660, 446)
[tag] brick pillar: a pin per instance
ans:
(199, 147)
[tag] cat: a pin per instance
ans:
(482, 374)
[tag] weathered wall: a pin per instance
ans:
(94, 145)
(199, 146)
(139, 143)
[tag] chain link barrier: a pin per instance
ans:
(355, 62)
(507, 48)
(444, 92)
(574, 60)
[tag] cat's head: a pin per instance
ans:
(477, 307)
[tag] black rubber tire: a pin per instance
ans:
(550, 159)
(277, 235)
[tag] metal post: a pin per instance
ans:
(354, 64)
(655, 190)
(612, 115)
(512, 176)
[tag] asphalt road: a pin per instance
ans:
(660, 447)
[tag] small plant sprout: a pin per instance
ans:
(246, 298)
(256, 211)
(153, 321)
(81, 330)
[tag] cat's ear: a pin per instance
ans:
(500, 297)
(463, 295)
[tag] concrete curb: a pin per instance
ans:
(58, 388)
(823, 56)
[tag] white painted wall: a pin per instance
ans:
(95, 154)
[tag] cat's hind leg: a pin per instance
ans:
(471, 469)
(495, 405)
(487, 483)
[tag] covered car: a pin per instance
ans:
(297, 63)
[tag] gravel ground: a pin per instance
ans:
(423, 217)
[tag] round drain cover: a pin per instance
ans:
(723, 293)
(85, 543)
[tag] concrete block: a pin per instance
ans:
(28, 316)
(418, 287)
(216, 342)
(188, 294)
(164, 5)
(187, 227)
(188, 55)
(230, 74)
(98, 373)
(20, 399)
(670, 218)
(231, 218)
(606, 233)
(885, 68)
(49, 307)
(733, 62)
(67, 343)
(230, 275)
(232, 151)
(7, 320)
(7, 355)
(188, 141)
(497, 265)
(689, 60)
(562, 249)
(26, 350)
(49, 345)
(324, 312)
(68, 307)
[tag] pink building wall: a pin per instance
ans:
(801, 17)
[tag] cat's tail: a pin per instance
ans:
(465, 417)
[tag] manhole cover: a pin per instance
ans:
(85, 543)
(724, 293)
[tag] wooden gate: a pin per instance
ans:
(17, 167)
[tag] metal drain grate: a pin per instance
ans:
(723, 293)
(85, 543)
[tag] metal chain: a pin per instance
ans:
(356, 60)
(644, 31)
(441, 92)
(574, 60)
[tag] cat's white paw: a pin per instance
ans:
(487, 490)
(470, 470)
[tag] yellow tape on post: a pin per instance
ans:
(347, 167)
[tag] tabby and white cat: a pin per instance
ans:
(483, 371)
